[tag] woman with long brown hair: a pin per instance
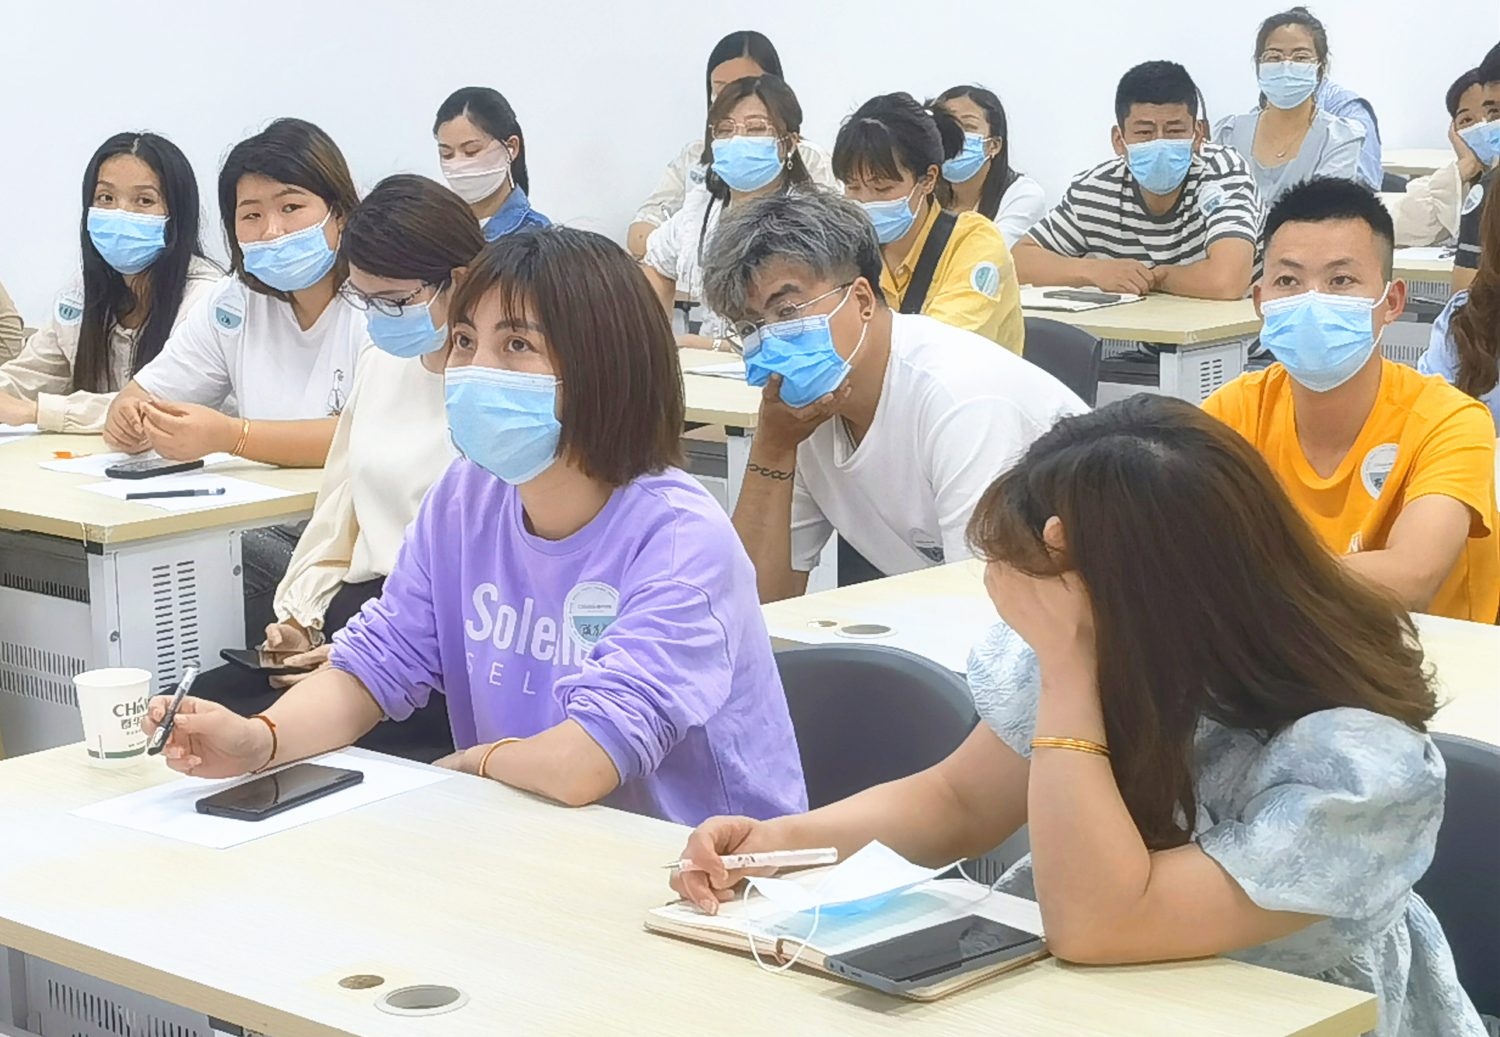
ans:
(1465, 346)
(1261, 786)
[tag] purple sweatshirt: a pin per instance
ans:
(644, 627)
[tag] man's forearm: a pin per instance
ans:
(1040, 266)
(763, 520)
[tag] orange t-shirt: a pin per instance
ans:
(1422, 437)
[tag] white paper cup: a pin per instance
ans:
(113, 702)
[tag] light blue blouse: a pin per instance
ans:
(1337, 815)
(1331, 148)
(1441, 357)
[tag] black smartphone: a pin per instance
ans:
(933, 955)
(269, 795)
(1080, 295)
(263, 660)
(150, 467)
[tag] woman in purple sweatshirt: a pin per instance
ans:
(584, 605)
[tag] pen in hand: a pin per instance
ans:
(159, 739)
(769, 859)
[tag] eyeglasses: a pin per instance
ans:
(741, 331)
(1301, 56)
(755, 126)
(388, 307)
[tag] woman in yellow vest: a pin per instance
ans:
(952, 267)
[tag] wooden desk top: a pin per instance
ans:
(1167, 320)
(533, 910)
(941, 612)
(1413, 162)
(716, 400)
(35, 500)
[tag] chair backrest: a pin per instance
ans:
(866, 714)
(1393, 183)
(1463, 885)
(1069, 354)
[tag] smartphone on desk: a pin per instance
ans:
(263, 660)
(935, 955)
(150, 468)
(1081, 295)
(272, 794)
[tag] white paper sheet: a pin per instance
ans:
(236, 491)
(170, 809)
(94, 464)
(15, 431)
(1034, 297)
(730, 369)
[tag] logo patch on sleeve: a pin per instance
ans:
(1472, 200)
(69, 309)
(588, 611)
(985, 279)
(1210, 198)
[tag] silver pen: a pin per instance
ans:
(159, 740)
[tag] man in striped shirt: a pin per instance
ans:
(1170, 213)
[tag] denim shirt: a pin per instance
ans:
(515, 213)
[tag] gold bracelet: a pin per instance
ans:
(239, 445)
(485, 760)
(1076, 744)
(269, 759)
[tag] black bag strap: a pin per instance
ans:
(932, 251)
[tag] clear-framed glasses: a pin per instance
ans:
(388, 307)
(742, 332)
(1300, 55)
(754, 126)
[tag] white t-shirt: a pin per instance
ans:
(242, 352)
(1022, 207)
(954, 413)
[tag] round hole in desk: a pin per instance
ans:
(864, 631)
(361, 982)
(423, 999)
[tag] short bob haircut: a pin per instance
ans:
(611, 344)
(815, 228)
(289, 151)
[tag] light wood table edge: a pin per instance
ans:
(175, 990)
(152, 527)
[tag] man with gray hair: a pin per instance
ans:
(885, 428)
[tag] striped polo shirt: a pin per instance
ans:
(1102, 215)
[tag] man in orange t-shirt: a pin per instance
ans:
(1395, 470)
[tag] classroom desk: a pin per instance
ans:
(87, 581)
(1203, 341)
(1413, 162)
(1425, 278)
(942, 612)
(724, 402)
(535, 911)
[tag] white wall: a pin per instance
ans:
(608, 90)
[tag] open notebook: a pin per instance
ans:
(778, 937)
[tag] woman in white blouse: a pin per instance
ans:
(980, 178)
(737, 56)
(142, 271)
(754, 127)
(263, 368)
(407, 245)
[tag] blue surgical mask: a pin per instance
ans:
(966, 165)
(293, 261)
(892, 219)
(1160, 166)
(1287, 84)
(409, 335)
(504, 421)
(128, 241)
(801, 351)
(1483, 138)
(747, 163)
(1321, 340)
